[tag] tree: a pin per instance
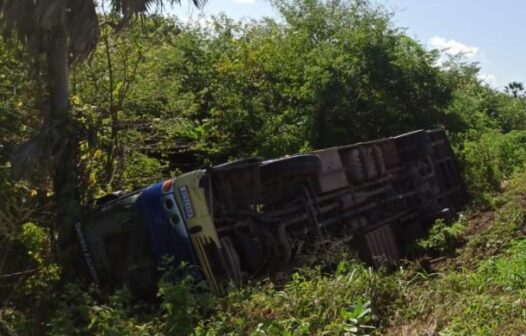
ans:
(515, 88)
(61, 33)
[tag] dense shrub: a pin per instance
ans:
(443, 237)
(490, 158)
(306, 305)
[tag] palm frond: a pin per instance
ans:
(83, 28)
(32, 20)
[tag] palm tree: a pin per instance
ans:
(62, 32)
(515, 88)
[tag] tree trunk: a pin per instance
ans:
(65, 171)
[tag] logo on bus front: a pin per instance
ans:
(187, 203)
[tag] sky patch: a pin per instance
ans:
(244, 2)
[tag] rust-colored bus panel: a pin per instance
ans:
(332, 175)
(382, 246)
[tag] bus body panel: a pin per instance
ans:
(166, 227)
(191, 197)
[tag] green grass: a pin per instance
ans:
(483, 292)
(310, 303)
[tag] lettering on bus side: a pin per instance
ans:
(187, 203)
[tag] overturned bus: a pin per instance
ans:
(249, 218)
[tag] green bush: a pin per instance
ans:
(30, 276)
(352, 301)
(184, 303)
(443, 237)
(491, 158)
